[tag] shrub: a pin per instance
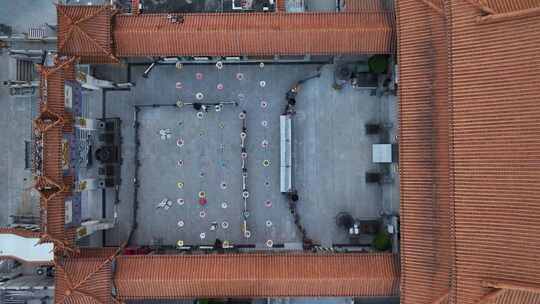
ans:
(382, 241)
(378, 64)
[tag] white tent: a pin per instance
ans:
(26, 249)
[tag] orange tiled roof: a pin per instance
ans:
(255, 34)
(426, 242)
(517, 297)
(496, 148)
(256, 275)
(51, 183)
(506, 6)
(85, 31)
(470, 175)
(85, 278)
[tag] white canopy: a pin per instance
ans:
(25, 249)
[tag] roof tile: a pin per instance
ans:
(255, 34)
(256, 275)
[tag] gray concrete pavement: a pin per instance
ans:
(333, 154)
(16, 116)
(16, 198)
(22, 13)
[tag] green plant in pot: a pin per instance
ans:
(382, 241)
